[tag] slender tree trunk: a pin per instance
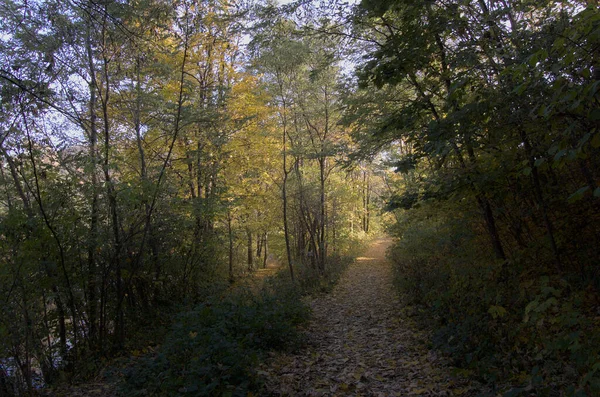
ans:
(365, 200)
(537, 188)
(368, 202)
(230, 234)
(490, 223)
(137, 121)
(15, 176)
(26, 366)
(265, 248)
(47, 361)
(334, 225)
(93, 153)
(259, 245)
(250, 250)
(36, 191)
(323, 225)
(482, 200)
(112, 198)
(284, 197)
(488, 213)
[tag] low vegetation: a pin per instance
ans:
(518, 326)
(215, 349)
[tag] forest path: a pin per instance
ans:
(361, 344)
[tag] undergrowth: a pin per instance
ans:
(519, 326)
(215, 348)
(312, 281)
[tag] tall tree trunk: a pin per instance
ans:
(112, 197)
(334, 225)
(366, 201)
(367, 208)
(284, 196)
(26, 365)
(259, 245)
(137, 121)
(36, 191)
(481, 198)
(17, 182)
(93, 153)
(486, 208)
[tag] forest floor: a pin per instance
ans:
(362, 343)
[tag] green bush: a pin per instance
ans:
(213, 349)
(515, 325)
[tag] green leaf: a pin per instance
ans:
(560, 154)
(497, 311)
(586, 73)
(597, 192)
(542, 110)
(578, 195)
(531, 307)
(584, 139)
(559, 43)
(595, 142)
(591, 89)
(594, 114)
(533, 59)
(520, 89)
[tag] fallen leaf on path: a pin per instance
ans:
(362, 343)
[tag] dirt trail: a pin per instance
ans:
(360, 343)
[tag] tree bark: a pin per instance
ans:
(230, 235)
(284, 197)
(93, 237)
(112, 198)
(250, 250)
(265, 249)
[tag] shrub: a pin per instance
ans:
(515, 325)
(213, 349)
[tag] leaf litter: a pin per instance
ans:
(361, 343)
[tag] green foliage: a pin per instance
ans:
(508, 324)
(490, 112)
(214, 348)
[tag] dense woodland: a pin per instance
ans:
(154, 153)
